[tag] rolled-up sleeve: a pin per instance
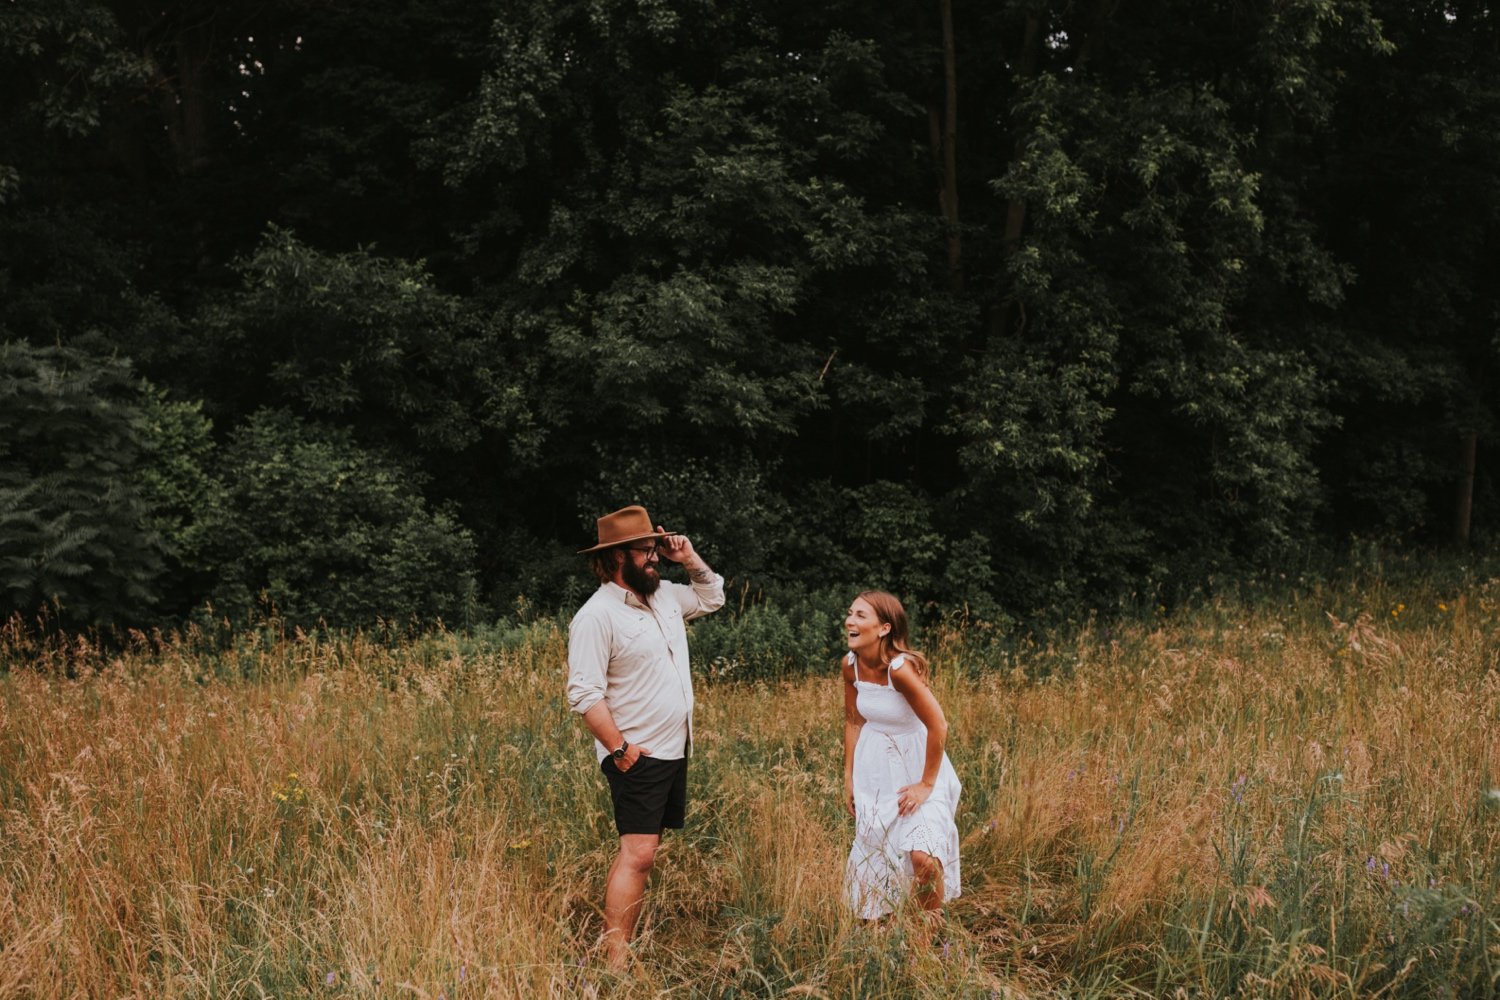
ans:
(701, 598)
(588, 662)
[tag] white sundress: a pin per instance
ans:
(891, 752)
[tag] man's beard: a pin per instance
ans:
(639, 578)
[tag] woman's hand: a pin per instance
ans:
(910, 798)
(849, 796)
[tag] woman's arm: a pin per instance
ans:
(920, 697)
(853, 722)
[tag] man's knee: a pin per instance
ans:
(638, 852)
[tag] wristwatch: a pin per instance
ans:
(619, 754)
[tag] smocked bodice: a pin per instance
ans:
(884, 709)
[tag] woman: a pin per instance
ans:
(898, 782)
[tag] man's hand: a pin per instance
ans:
(679, 549)
(633, 753)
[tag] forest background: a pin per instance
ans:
(364, 312)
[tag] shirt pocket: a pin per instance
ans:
(672, 626)
(631, 642)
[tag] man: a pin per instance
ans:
(628, 677)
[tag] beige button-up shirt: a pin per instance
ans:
(634, 658)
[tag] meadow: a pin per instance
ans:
(1293, 797)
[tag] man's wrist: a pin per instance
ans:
(699, 572)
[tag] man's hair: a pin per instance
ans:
(605, 562)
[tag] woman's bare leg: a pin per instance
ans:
(927, 886)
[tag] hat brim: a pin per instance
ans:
(626, 541)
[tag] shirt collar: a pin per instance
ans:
(624, 596)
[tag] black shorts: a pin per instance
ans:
(649, 797)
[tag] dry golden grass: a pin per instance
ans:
(1234, 802)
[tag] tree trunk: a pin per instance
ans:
(1015, 214)
(180, 43)
(949, 195)
(1463, 508)
(194, 50)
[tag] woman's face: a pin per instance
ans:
(862, 628)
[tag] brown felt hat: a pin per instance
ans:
(627, 524)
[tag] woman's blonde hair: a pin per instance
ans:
(888, 609)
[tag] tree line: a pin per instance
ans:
(358, 312)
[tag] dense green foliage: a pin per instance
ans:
(1150, 293)
(76, 532)
(313, 527)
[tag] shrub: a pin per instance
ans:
(308, 525)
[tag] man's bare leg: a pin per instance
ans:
(623, 893)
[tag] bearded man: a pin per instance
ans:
(628, 677)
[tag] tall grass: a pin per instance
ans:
(1235, 800)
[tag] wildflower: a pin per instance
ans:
(520, 845)
(1442, 607)
(330, 979)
